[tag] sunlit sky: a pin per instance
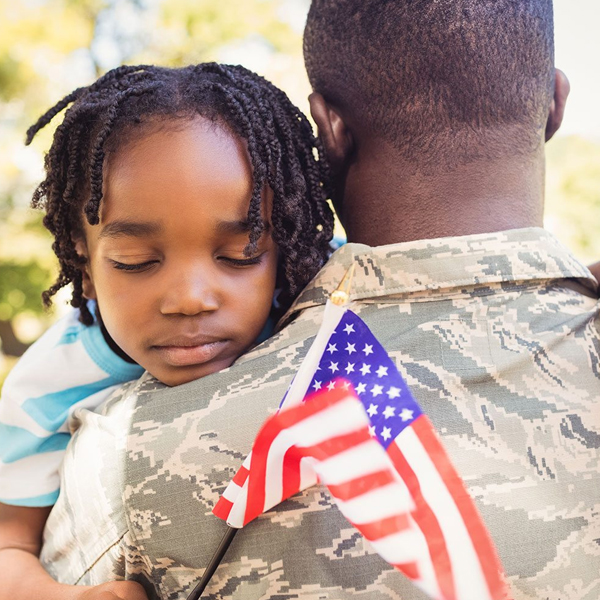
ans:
(577, 24)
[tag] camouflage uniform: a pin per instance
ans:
(498, 337)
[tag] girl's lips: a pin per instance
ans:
(184, 356)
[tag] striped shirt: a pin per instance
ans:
(70, 366)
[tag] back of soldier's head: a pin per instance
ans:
(448, 80)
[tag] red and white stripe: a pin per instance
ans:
(331, 430)
(284, 444)
(225, 503)
(234, 493)
(412, 508)
(463, 556)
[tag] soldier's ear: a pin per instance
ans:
(335, 135)
(87, 282)
(562, 87)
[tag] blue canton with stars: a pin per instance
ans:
(354, 354)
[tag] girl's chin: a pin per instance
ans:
(179, 375)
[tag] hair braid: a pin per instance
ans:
(49, 115)
(92, 207)
(268, 168)
(72, 165)
(239, 107)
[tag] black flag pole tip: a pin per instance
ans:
(214, 563)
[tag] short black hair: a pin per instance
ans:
(284, 154)
(437, 78)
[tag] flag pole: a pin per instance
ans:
(340, 297)
(215, 561)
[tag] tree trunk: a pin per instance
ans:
(11, 344)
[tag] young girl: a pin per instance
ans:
(179, 201)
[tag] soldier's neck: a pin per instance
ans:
(386, 202)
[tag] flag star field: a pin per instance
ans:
(354, 354)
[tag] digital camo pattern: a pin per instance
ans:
(498, 337)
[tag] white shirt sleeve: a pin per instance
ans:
(70, 366)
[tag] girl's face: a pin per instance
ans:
(166, 262)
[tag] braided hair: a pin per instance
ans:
(284, 154)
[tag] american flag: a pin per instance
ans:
(384, 466)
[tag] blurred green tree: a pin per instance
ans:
(573, 194)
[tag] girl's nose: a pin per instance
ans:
(190, 291)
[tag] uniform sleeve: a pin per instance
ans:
(70, 366)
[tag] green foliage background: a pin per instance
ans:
(49, 47)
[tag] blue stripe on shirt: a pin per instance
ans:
(70, 335)
(76, 345)
(19, 443)
(43, 500)
(95, 345)
(51, 410)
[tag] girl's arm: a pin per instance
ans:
(22, 574)
(595, 269)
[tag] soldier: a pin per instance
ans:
(434, 115)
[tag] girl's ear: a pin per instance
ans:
(87, 283)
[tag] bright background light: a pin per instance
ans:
(577, 32)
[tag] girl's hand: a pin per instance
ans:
(115, 590)
(22, 574)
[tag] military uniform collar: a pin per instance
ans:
(427, 266)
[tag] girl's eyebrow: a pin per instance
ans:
(130, 228)
(123, 228)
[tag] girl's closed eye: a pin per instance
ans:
(146, 265)
(133, 267)
(242, 262)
